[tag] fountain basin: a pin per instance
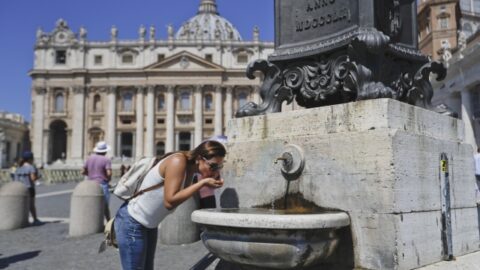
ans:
(270, 239)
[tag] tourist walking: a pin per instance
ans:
(137, 220)
(27, 174)
(98, 168)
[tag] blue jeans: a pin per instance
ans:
(106, 192)
(136, 242)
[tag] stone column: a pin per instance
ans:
(150, 136)
(467, 118)
(229, 105)
(112, 119)
(78, 124)
(218, 111)
(198, 116)
(177, 140)
(139, 117)
(38, 122)
(170, 144)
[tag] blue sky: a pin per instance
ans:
(19, 20)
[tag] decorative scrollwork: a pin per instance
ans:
(271, 91)
(373, 40)
(368, 68)
(336, 80)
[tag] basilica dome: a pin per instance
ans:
(208, 25)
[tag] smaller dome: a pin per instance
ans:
(208, 25)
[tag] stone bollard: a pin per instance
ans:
(14, 206)
(86, 209)
(178, 228)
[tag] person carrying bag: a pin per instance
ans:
(137, 220)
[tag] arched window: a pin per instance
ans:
(59, 103)
(97, 103)
(208, 102)
(127, 104)
(160, 148)
(161, 103)
(185, 101)
(242, 99)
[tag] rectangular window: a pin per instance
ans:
(242, 58)
(97, 60)
(61, 57)
(160, 121)
(127, 59)
(443, 23)
(160, 57)
(208, 121)
(185, 101)
(209, 57)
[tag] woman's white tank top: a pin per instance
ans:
(148, 208)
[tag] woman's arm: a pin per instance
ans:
(174, 173)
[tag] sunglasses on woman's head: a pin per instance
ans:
(213, 166)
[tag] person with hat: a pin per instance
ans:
(98, 168)
(27, 174)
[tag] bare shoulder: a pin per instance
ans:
(176, 160)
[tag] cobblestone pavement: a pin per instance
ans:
(49, 247)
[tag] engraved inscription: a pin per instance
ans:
(321, 13)
(305, 26)
(323, 20)
(318, 4)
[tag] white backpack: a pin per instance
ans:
(128, 185)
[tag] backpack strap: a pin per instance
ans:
(140, 192)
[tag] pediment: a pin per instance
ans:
(185, 61)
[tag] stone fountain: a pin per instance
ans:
(386, 182)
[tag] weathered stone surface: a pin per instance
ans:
(468, 262)
(14, 206)
(86, 209)
(378, 160)
(178, 228)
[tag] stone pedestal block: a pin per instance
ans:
(177, 228)
(86, 209)
(379, 161)
(14, 206)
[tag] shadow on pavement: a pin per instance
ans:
(208, 259)
(41, 223)
(5, 262)
(204, 262)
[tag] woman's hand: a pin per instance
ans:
(212, 182)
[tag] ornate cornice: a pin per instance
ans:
(40, 90)
(140, 89)
(170, 87)
(151, 88)
(112, 89)
(78, 89)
